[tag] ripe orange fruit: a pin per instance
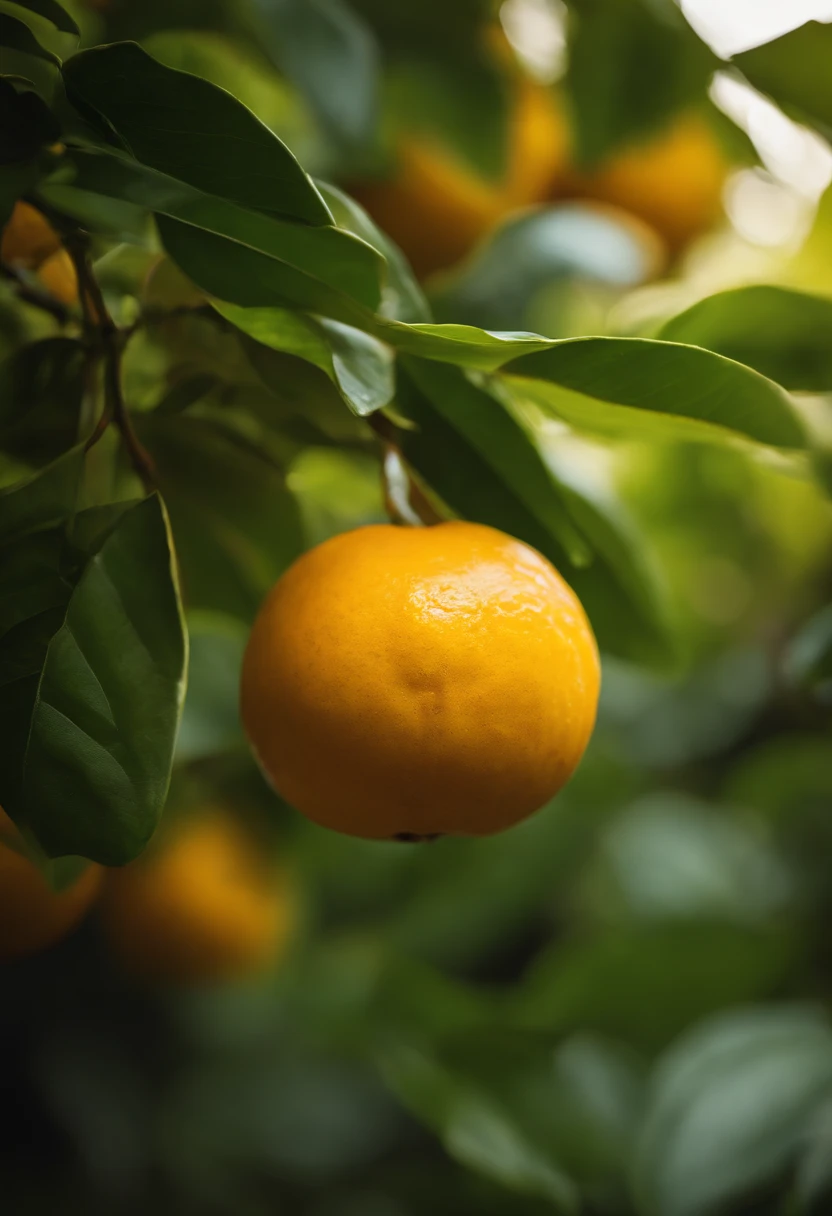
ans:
(673, 181)
(202, 905)
(411, 682)
(57, 274)
(437, 208)
(28, 238)
(32, 915)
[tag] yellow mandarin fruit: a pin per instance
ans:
(436, 208)
(202, 905)
(28, 238)
(673, 182)
(57, 274)
(32, 915)
(411, 682)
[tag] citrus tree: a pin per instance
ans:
(268, 274)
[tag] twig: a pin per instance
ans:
(100, 329)
(37, 297)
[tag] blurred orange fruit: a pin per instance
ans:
(411, 682)
(28, 238)
(58, 276)
(436, 208)
(203, 905)
(32, 915)
(673, 181)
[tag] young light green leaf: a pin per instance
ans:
(17, 36)
(794, 70)
(360, 366)
(52, 11)
(783, 334)
(102, 707)
(461, 344)
(730, 1109)
(671, 379)
(192, 130)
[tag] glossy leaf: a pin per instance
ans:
(461, 344)
(95, 666)
(360, 366)
(664, 378)
(192, 130)
(330, 55)
(794, 70)
(17, 36)
(334, 257)
(783, 334)
(730, 1108)
(52, 11)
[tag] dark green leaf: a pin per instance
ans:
(334, 257)
(94, 673)
(730, 1108)
(18, 37)
(786, 335)
(41, 388)
(794, 70)
(43, 500)
(631, 65)
(235, 272)
(360, 366)
(662, 377)
(26, 124)
(330, 55)
(193, 131)
(236, 525)
(52, 11)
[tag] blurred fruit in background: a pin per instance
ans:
(30, 242)
(33, 916)
(672, 181)
(203, 905)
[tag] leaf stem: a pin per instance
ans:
(404, 499)
(101, 330)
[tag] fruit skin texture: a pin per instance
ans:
(673, 182)
(436, 208)
(32, 915)
(409, 682)
(201, 906)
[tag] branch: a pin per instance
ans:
(100, 329)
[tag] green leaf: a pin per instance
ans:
(402, 297)
(631, 66)
(94, 675)
(475, 453)
(794, 70)
(808, 659)
(730, 1108)
(783, 334)
(662, 377)
(41, 388)
(237, 527)
(516, 473)
(26, 124)
(461, 344)
(52, 11)
(336, 258)
(234, 272)
(330, 55)
(476, 1129)
(359, 366)
(43, 500)
(18, 37)
(192, 130)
